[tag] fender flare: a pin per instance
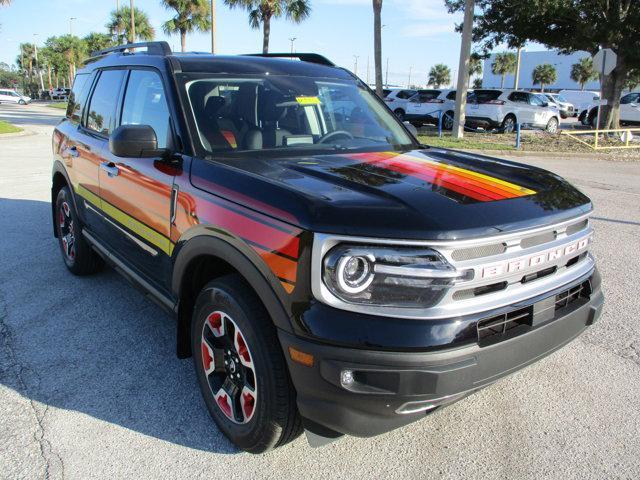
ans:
(211, 241)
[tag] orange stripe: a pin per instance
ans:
(281, 267)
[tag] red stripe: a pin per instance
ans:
(454, 184)
(251, 230)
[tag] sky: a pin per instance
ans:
(417, 34)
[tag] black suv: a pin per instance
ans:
(327, 272)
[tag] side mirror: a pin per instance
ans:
(409, 126)
(135, 141)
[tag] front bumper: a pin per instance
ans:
(414, 117)
(392, 389)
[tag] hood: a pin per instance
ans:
(420, 194)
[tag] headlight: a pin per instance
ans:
(415, 277)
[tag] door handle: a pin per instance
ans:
(111, 168)
(73, 152)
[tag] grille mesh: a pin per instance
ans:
(478, 252)
(576, 227)
(535, 240)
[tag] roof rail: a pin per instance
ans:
(303, 57)
(153, 48)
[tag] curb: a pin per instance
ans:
(23, 133)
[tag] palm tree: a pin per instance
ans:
(262, 11)
(191, 15)
(475, 65)
(98, 41)
(27, 57)
(477, 83)
(544, 75)
(121, 22)
(633, 79)
(503, 64)
(377, 44)
(583, 72)
(439, 75)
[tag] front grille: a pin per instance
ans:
(503, 326)
(570, 296)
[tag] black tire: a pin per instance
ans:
(274, 419)
(447, 120)
(593, 118)
(22, 102)
(509, 124)
(552, 125)
(399, 113)
(78, 255)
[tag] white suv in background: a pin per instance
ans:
(566, 109)
(397, 100)
(11, 96)
(427, 105)
(503, 109)
(629, 111)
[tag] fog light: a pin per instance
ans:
(346, 378)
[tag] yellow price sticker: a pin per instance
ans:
(308, 100)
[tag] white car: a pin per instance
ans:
(566, 109)
(11, 96)
(629, 111)
(503, 109)
(397, 100)
(581, 99)
(427, 106)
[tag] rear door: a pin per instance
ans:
(521, 107)
(630, 108)
(136, 192)
(541, 113)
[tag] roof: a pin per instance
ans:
(221, 64)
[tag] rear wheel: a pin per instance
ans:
(399, 113)
(509, 124)
(552, 125)
(240, 367)
(77, 254)
(22, 102)
(447, 120)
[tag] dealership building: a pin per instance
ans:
(529, 61)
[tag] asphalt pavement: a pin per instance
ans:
(90, 386)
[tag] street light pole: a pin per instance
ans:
(213, 26)
(463, 71)
(518, 58)
(410, 72)
(71, 19)
(356, 57)
(292, 40)
(386, 76)
(35, 52)
(118, 21)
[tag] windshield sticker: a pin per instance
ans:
(473, 185)
(308, 100)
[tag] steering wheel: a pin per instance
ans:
(337, 133)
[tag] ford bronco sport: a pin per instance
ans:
(328, 273)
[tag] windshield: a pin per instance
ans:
(283, 113)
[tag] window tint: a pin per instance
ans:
(451, 95)
(519, 97)
(78, 97)
(404, 94)
(426, 95)
(103, 102)
(145, 104)
(630, 98)
(485, 96)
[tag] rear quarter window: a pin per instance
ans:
(78, 97)
(484, 96)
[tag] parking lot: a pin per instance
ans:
(90, 386)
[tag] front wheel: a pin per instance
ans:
(509, 124)
(240, 367)
(447, 120)
(552, 125)
(399, 113)
(22, 102)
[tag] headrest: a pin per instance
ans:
(213, 106)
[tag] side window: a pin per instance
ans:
(78, 97)
(405, 94)
(102, 108)
(451, 95)
(519, 97)
(536, 100)
(630, 98)
(145, 103)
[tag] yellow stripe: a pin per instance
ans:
(516, 188)
(150, 235)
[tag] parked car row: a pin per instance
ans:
(629, 111)
(490, 109)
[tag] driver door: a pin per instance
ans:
(136, 192)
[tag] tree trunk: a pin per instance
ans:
(49, 75)
(542, 87)
(266, 26)
(502, 83)
(582, 87)
(183, 40)
(612, 88)
(377, 44)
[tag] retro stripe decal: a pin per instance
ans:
(276, 243)
(475, 185)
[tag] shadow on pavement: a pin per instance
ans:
(30, 115)
(93, 344)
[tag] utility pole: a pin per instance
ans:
(463, 71)
(386, 81)
(292, 40)
(410, 72)
(118, 21)
(213, 26)
(367, 69)
(133, 23)
(355, 68)
(71, 19)
(518, 58)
